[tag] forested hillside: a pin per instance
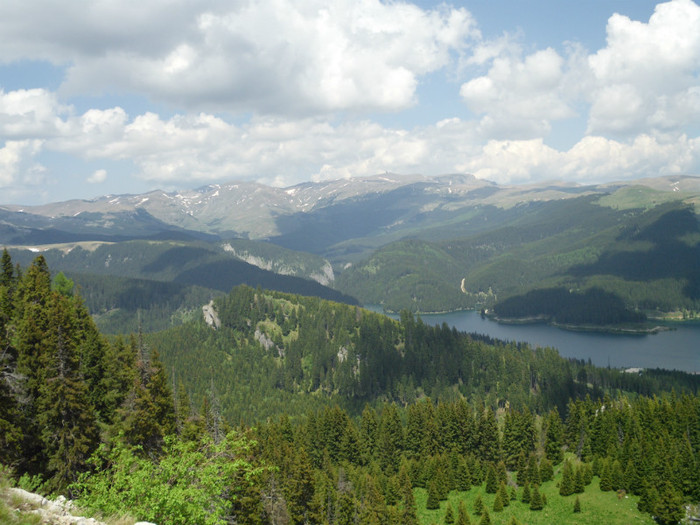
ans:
(160, 283)
(646, 258)
(299, 410)
(274, 350)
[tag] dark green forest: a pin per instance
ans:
(645, 259)
(300, 410)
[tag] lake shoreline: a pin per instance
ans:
(673, 348)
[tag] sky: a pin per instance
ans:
(105, 97)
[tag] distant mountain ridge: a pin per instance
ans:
(256, 211)
(318, 217)
(238, 209)
(423, 243)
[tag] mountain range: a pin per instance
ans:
(417, 242)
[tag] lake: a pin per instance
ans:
(676, 349)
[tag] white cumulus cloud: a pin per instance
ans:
(97, 177)
(647, 75)
(286, 57)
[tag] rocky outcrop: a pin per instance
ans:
(210, 315)
(52, 512)
(59, 511)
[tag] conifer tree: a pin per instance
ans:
(498, 502)
(369, 432)
(536, 502)
(478, 505)
(69, 433)
(488, 438)
(521, 468)
(31, 326)
(566, 487)
(120, 374)
(409, 514)
(503, 491)
(346, 508)
(527, 496)
(373, 504)
(579, 483)
(533, 471)
(462, 514)
(669, 506)
(491, 480)
(433, 501)
(553, 437)
(485, 518)
(605, 476)
(390, 442)
(577, 505)
(617, 477)
(449, 515)
(546, 470)
(463, 477)
(10, 429)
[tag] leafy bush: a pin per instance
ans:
(192, 482)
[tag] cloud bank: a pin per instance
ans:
(288, 91)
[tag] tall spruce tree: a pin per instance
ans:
(68, 429)
(30, 330)
(554, 434)
(10, 428)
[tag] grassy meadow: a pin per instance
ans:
(597, 507)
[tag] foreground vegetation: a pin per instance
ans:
(340, 416)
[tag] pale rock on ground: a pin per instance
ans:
(55, 512)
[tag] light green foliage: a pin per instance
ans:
(63, 284)
(190, 483)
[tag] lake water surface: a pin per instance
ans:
(676, 349)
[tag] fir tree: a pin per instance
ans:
(449, 514)
(409, 514)
(433, 496)
(553, 437)
(491, 480)
(478, 505)
(527, 496)
(69, 433)
(566, 487)
(463, 480)
(533, 471)
(10, 429)
(488, 439)
(577, 505)
(579, 483)
(536, 502)
(649, 499)
(605, 477)
(546, 470)
(617, 477)
(498, 502)
(346, 509)
(669, 506)
(31, 327)
(485, 518)
(462, 514)
(503, 491)
(390, 441)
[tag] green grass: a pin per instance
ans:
(597, 507)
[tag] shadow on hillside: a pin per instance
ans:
(669, 257)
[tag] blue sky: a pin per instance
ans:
(109, 96)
